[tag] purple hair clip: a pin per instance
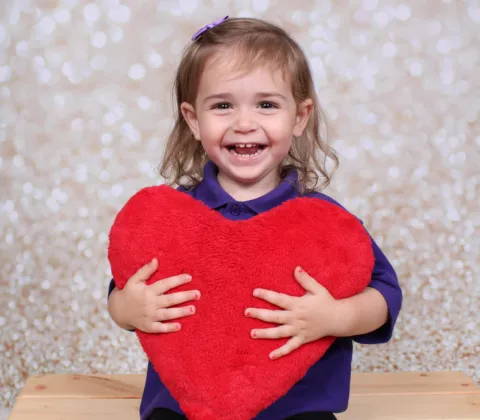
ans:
(207, 27)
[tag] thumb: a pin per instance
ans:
(145, 272)
(306, 281)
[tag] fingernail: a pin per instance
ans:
(254, 334)
(177, 326)
(247, 313)
(272, 357)
(300, 270)
(256, 292)
(188, 277)
(192, 309)
(197, 296)
(154, 261)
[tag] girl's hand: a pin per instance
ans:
(147, 307)
(304, 319)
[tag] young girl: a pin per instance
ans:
(246, 139)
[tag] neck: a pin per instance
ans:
(248, 191)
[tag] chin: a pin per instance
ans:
(248, 176)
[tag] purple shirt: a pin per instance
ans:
(326, 386)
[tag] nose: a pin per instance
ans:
(244, 122)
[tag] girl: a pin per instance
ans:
(247, 138)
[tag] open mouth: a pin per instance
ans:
(250, 149)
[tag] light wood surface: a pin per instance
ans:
(382, 396)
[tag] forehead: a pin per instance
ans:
(231, 69)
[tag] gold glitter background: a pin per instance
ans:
(86, 107)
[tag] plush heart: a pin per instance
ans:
(212, 367)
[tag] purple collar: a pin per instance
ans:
(214, 196)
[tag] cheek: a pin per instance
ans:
(211, 127)
(281, 130)
(286, 145)
(282, 142)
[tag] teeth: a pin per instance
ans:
(233, 152)
(244, 145)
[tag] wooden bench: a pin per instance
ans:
(374, 396)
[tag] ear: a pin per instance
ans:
(304, 110)
(190, 115)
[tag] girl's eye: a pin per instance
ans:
(222, 105)
(267, 105)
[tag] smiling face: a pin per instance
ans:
(246, 123)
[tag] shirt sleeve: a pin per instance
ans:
(384, 279)
(111, 286)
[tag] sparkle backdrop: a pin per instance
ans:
(85, 109)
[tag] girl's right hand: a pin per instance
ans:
(147, 307)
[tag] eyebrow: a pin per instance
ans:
(259, 95)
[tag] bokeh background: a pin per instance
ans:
(85, 92)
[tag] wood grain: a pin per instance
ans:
(378, 396)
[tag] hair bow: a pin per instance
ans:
(207, 27)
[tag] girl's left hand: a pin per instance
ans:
(304, 319)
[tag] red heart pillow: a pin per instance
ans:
(212, 367)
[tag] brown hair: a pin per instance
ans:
(253, 42)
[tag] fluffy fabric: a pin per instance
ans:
(212, 367)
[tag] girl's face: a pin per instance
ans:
(246, 123)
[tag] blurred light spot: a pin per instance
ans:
(155, 60)
(91, 12)
(98, 39)
(402, 12)
(369, 4)
(120, 14)
(136, 71)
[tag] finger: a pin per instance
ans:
(267, 315)
(145, 272)
(291, 345)
(272, 333)
(167, 314)
(165, 301)
(163, 286)
(278, 299)
(306, 281)
(164, 328)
